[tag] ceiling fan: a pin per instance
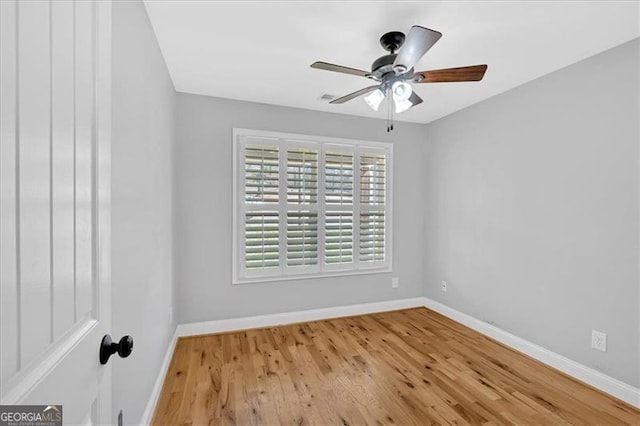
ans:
(394, 72)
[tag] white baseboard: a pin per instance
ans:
(208, 327)
(147, 416)
(574, 369)
(581, 372)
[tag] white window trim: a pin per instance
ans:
(321, 270)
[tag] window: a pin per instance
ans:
(307, 206)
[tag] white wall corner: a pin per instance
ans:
(597, 379)
(147, 415)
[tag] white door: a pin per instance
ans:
(55, 206)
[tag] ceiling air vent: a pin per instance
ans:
(327, 97)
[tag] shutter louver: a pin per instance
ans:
(372, 179)
(261, 240)
(261, 174)
(302, 238)
(302, 176)
(338, 177)
(372, 230)
(338, 238)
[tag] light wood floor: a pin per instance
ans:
(404, 367)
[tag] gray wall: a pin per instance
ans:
(142, 292)
(203, 200)
(532, 210)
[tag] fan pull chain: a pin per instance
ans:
(389, 112)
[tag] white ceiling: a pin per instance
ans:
(261, 51)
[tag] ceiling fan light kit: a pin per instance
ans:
(402, 106)
(374, 99)
(395, 73)
(401, 91)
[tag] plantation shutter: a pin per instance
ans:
(302, 238)
(372, 179)
(261, 219)
(302, 206)
(372, 237)
(338, 237)
(338, 178)
(261, 174)
(262, 240)
(372, 185)
(338, 218)
(302, 176)
(307, 206)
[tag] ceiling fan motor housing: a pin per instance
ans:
(383, 66)
(382, 70)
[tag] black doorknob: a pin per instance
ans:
(108, 348)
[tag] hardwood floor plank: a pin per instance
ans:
(413, 366)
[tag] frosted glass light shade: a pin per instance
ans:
(374, 99)
(401, 91)
(402, 106)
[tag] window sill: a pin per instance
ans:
(293, 277)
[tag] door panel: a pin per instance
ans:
(8, 253)
(84, 74)
(55, 170)
(33, 175)
(62, 167)
(76, 381)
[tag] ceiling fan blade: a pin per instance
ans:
(353, 95)
(451, 75)
(415, 99)
(338, 68)
(416, 44)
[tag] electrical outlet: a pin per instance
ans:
(599, 340)
(394, 282)
(443, 286)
